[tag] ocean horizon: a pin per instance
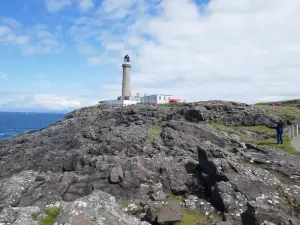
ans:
(14, 123)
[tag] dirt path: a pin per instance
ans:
(296, 143)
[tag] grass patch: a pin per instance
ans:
(98, 109)
(167, 108)
(175, 197)
(284, 112)
(286, 146)
(222, 127)
(291, 103)
(191, 218)
(260, 129)
(51, 214)
(246, 139)
(237, 130)
(35, 215)
(155, 131)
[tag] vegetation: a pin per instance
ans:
(35, 215)
(222, 127)
(286, 146)
(98, 109)
(259, 130)
(50, 217)
(237, 130)
(175, 197)
(167, 108)
(284, 112)
(155, 131)
(270, 141)
(193, 218)
(291, 103)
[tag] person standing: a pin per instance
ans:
(279, 130)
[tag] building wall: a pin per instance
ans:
(118, 102)
(155, 99)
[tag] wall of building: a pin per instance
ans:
(118, 102)
(156, 99)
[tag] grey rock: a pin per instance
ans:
(133, 209)
(158, 193)
(96, 208)
(223, 223)
(171, 212)
(153, 210)
(116, 175)
(109, 150)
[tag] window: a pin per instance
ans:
(159, 97)
(165, 98)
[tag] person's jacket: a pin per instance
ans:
(279, 126)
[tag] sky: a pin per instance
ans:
(65, 54)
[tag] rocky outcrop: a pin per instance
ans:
(96, 208)
(122, 152)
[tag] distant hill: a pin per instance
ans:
(291, 103)
(289, 110)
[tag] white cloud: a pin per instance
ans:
(49, 102)
(233, 49)
(10, 21)
(33, 40)
(54, 6)
(85, 5)
(116, 9)
(57, 5)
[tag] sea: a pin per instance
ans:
(14, 123)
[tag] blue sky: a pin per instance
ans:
(65, 54)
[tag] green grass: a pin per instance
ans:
(50, 217)
(192, 218)
(166, 108)
(175, 197)
(261, 129)
(291, 103)
(98, 109)
(286, 146)
(284, 112)
(154, 131)
(35, 215)
(236, 130)
(222, 127)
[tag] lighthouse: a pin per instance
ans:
(126, 79)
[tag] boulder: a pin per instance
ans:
(170, 212)
(116, 175)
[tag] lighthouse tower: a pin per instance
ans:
(126, 79)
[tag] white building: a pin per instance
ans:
(118, 102)
(155, 99)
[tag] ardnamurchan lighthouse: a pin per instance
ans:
(126, 79)
(126, 99)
